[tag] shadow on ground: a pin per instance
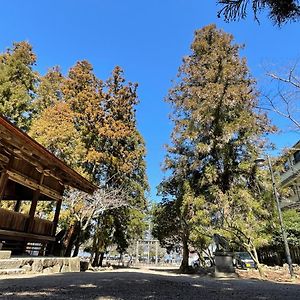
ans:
(140, 284)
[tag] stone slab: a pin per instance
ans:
(5, 254)
(44, 265)
(12, 271)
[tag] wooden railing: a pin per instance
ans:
(42, 227)
(15, 221)
(11, 220)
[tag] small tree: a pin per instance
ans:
(81, 209)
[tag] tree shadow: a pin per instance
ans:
(135, 284)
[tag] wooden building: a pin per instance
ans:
(30, 173)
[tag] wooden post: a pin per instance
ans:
(18, 205)
(3, 182)
(4, 178)
(32, 211)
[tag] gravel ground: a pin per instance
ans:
(141, 284)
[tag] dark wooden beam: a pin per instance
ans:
(40, 199)
(3, 182)
(18, 205)
(23, 236)
(28, 182)
(4, 178)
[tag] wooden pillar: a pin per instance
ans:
(34, 202)
(36, 195)
(4, 178)
(18, 205)
(3, 182)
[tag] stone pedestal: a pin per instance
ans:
(224, 264)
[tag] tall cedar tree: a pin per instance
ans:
(104, 116)
(17, 84)
(124, 156)
(49, 90)
(82, 91)
(216, 139)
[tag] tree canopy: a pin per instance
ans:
(279, 11)
(90, 124)
(18, 83)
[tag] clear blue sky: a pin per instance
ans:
(148, 39)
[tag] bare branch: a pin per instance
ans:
(290, 80)
(84, 207)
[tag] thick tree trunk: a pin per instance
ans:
(77, 245)
(71, 237)
(101, 259)
(68, 243)
(184, 267)
(96, 259)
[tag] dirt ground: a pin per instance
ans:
(143, 283)
(276, 274)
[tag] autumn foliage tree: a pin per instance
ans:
(88, 123)
(215, 141)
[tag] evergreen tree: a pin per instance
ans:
(104, 116)
(124, 156)
(17, 83)
(55, 130)
(49, 90)
(124, 146)
(216, 139)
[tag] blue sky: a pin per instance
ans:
(148, 40)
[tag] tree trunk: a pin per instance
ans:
(71, 238)
(96, 259)
(184, 267)
(77, 245)
(253, 253)
(101, 259)
(256, 260)
(68, 244)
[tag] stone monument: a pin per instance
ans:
(223, 258)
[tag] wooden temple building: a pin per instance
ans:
(29, 172)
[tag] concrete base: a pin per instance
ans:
(44, 265)
(5, 254)
(224, 275)
(224, 265)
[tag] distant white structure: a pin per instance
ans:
(290, 177)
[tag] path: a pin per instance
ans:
(130, 284)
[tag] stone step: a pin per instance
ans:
(12, 271)
(10, 263)
(5, 254)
